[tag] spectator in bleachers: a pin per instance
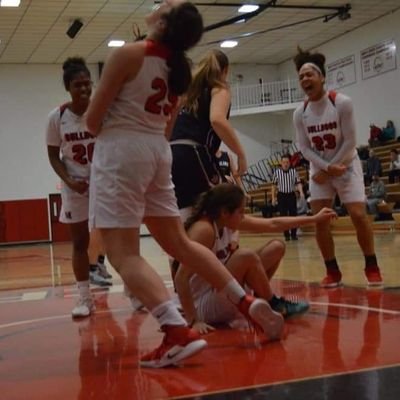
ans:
(394, 166)
(376, 194)
(388, 132)
(374, 133)
(363, 152)
(373, 167)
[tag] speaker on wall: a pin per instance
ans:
(74, 28)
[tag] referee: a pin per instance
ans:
(285, 182)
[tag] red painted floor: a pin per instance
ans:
(46, 355)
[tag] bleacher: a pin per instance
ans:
(259, 187)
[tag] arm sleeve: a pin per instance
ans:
(53, 137)
(346, 117)
(305, 144)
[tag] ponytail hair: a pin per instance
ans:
(210, 204)
(184, 28)
(71, 67)
(304, 57)
(208, 74)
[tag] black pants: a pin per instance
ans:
(393, 174)
(287, 207)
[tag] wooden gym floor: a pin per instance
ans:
(345, 347)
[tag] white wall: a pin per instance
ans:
(376, 99)
(260, 134)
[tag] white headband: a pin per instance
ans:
(313, 66)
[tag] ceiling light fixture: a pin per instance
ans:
(247, 8)
(10, 3)
(229, 43)
(116, 43)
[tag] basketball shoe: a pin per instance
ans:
(103, 271)
(96, 279)
(373, 275)
(288, 308)
(259, 312)
(180, 342)
(332, 279)
(84, 307)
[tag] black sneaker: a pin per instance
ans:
(289, 308)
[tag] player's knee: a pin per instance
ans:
(248, 257)
(278, 247)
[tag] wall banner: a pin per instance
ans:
(341, 72)
(378, 59)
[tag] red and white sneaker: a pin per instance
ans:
(259, 312)
(373, 275)
(179, 342)
(332, 279)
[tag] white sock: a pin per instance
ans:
(233, 291)
(83, 289)
(167, 314)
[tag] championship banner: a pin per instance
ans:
(378, 59)
(341, 72)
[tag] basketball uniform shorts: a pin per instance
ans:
(213, 307)
(130, 180)
(74, 206)
(349, 187)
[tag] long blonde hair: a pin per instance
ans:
(208, 73)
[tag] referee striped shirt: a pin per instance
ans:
(286, 181)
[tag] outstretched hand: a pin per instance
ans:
(325, 214)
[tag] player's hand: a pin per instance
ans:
(320, 177)
(79, 186)
(202, 328)
(336, 169)
(325, 214)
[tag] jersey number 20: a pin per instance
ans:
(83, 154)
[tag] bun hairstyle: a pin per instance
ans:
(184, 29)
(304, 57)
(73, 66)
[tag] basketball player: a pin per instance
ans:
(70, 148)
(216, 218)
(201, 125)
(326, 135)
(130, 177)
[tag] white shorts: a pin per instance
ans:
(130, 180)
(74, 206)
(213, 308)
(349, 187)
